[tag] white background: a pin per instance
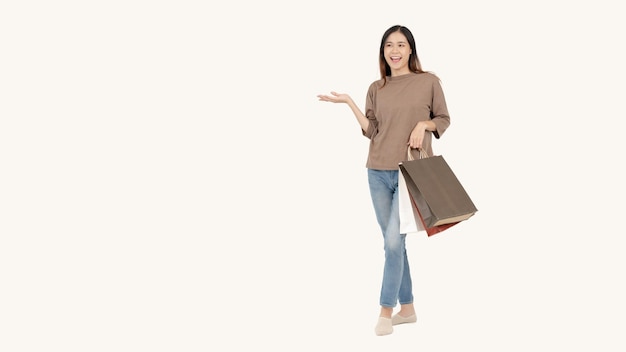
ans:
(170, 182)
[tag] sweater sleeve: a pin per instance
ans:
(439, 110)
(370, 102)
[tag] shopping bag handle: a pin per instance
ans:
(423, 154)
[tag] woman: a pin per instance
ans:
(403, 110)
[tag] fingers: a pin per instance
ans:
(333, 98)
(415, 142)
(325, 98)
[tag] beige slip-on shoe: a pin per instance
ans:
(383, 327)
(398, 319)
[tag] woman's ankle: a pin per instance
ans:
(386, 312)
(406, 310)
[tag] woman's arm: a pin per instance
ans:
(345, 98)
(439, 121)
(417, 135)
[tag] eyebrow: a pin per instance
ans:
(390, 42)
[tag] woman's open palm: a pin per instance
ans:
(334, 97)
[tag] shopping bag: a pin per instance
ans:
(409, 218)
(430, 230)
(436, 193)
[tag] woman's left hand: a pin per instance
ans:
(417, 135)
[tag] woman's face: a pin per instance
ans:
(397, 52)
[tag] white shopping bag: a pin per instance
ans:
(408, 215)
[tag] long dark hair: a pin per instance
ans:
(414, 61)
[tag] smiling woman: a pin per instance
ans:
(397, 52)
(406, 107)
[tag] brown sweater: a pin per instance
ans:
(393, 112)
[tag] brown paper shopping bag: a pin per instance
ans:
(437, 195)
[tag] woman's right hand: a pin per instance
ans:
(335, 97)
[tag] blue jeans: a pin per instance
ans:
(397, 285)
